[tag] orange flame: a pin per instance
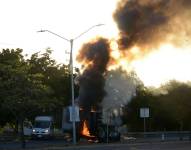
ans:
(85, 130)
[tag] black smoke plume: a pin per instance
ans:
(142, 23)
(147, 23)
(95, 55)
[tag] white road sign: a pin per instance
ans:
(144, 112)
(74, 113)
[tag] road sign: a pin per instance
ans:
(74, 113)
(144, 112)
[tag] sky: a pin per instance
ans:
(21, 19)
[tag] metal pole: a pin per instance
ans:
(144, 126)
(107, 127)
(23, 143)
(71, 71)
(72, 92)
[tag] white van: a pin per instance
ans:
(43, 127)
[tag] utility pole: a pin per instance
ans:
(71, 41)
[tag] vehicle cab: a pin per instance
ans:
(43, 127)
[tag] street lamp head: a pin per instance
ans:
(101, 24)
(41, 31)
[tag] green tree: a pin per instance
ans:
(169, 107)
(132, 118)
(20, 91)
(57, 78)
(177, 104)
(36, 86)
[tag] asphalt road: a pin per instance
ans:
(60, 145)
(33, 144)
(137, 146)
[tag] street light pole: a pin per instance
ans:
(72, 92)
(71, 72)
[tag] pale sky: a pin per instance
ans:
(20, 19)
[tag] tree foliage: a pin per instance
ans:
(169, 108)
(31, 87)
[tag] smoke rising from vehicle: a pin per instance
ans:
(144, 26)
(95, 57)
(148, 23)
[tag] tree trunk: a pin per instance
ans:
(181, 129)
(16, 126)
(23, 144)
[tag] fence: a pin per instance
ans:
(157, 136)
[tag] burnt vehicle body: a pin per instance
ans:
(97, 131)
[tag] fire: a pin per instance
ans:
(85, 130)
(93, 110)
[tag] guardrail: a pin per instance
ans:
(157, 136)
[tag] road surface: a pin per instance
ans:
(60, 145)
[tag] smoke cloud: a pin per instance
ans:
(120, 88)
(95, 56)
(145, 24)
(148, 23)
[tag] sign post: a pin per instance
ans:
(144, 113)
(74, 114)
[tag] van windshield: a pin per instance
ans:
(42, 124)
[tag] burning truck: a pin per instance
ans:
(94, 56)
(91, 126)
(144, 26)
